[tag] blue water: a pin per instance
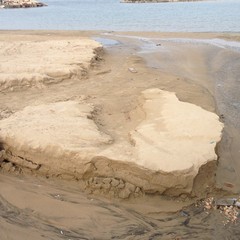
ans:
(203, 16)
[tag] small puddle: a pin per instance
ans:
(106, 42)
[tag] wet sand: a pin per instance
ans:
(197, 73)
(207, 72)
(32, 208)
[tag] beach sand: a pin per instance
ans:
(112, 83)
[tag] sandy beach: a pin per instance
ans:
(142, 117)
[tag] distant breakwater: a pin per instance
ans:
(20, 4)
(156, 1)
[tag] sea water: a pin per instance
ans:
(200, 16)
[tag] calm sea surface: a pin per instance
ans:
(203, 16)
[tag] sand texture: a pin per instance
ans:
(39, 63)
(163, 154)
(133, 138)
(175, 136)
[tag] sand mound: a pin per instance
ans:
(166, 150)
(37, 63)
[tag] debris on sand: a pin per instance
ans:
(132, 70)
(228, 207)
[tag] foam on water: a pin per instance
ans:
(221, 43)
(151, 44)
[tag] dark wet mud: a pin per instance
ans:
(43, 209)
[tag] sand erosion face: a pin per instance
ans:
(163, 154)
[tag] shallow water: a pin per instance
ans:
(149, 45)
(106, 42)
(202, 16)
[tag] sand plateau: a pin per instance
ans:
(39, 63)
(163, 154)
